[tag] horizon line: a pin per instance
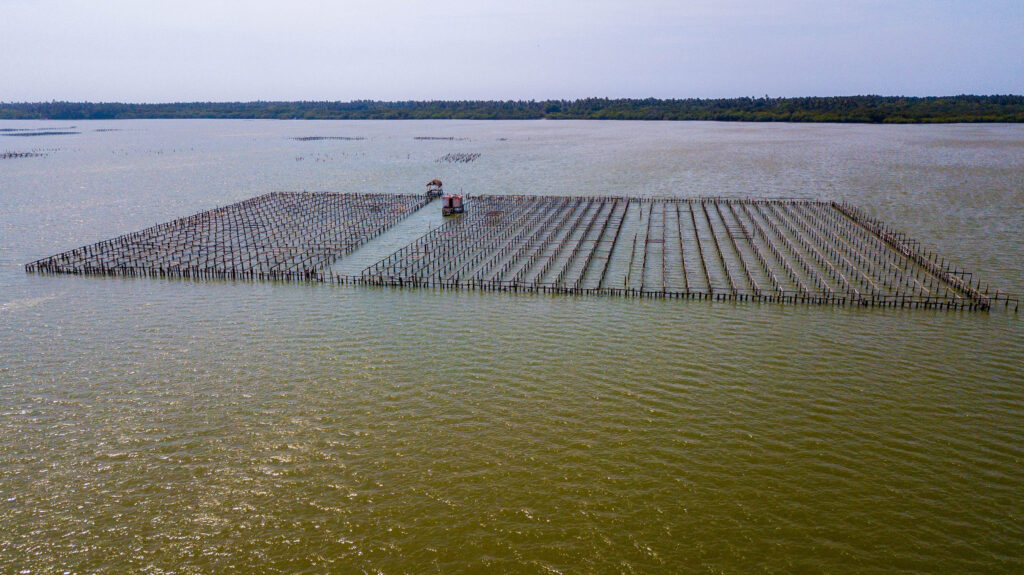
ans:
(585, 98)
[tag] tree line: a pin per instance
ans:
(862, 109)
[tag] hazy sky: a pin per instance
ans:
(136, 51)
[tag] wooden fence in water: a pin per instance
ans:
(281, 235)
(789, 251)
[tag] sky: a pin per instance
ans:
(209, 50)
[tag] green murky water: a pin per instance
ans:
(217, 427)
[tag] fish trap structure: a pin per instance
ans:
(792, 251)
(786, 251)
(281, 235)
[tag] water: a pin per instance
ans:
(217, 427)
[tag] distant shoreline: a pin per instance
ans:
(839, 109)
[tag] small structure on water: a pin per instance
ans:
(452, 204)
(434, 189)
